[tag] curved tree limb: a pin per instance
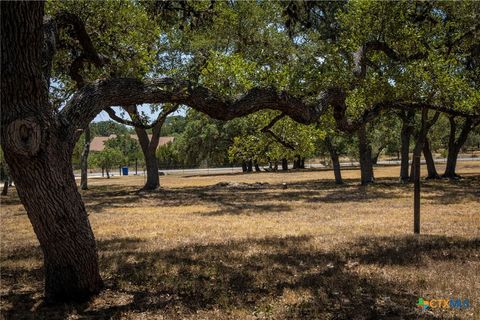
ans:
(360, 57)
(76, 29)
(156, 125)
(273, 122)
(134, 122)
(113, 115)
(87, 102)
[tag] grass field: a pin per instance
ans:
(246, 246)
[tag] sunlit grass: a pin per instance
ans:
(196, 249)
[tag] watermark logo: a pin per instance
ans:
(443, 304)
(423, 304)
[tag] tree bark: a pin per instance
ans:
(84, 160)
(335, 160)
(244, 166)
(302, 162)
(3, 174)
(151, 163)
(377, 155)
(365, 156)
(38, 151)
(250, 165)
(148, 145)
(257, 167)
(5, 186)
(427, 153)
(455, 144)
(284, 164)
(450, 169)
(275, 166)
(60, 222)
(299, 162)
(406, 133)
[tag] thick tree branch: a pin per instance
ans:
(158, 124)
(76, 29)
(86, 103)
(431, 106)
(360, 57)
(135, 122)
(113, 115)
(273, 122)
(50, 36)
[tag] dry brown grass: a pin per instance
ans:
(195, 249)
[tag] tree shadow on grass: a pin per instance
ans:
(275, 277)
(264, 198)
(453, 191)
(408, 250)
(246, 198)
(11, 198)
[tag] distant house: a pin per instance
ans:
(98, 143)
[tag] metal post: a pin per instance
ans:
(416, 196)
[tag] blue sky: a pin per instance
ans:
(103, 116)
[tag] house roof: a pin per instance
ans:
(98, 143)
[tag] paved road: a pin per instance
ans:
(196, 171)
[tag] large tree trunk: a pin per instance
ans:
(149, 148)
(427, 153)
(299, 162)
(84, 161)
(365, 156)
(335, 160)
(275, 165)
(407, 130)
(38, 151)
(257, 167)
(250, 165)
(244, 166)
(149, 145)
(284, 164)
(450, 169)
(60, 221)
(151, 163)
(455, 144)
(153, 179)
